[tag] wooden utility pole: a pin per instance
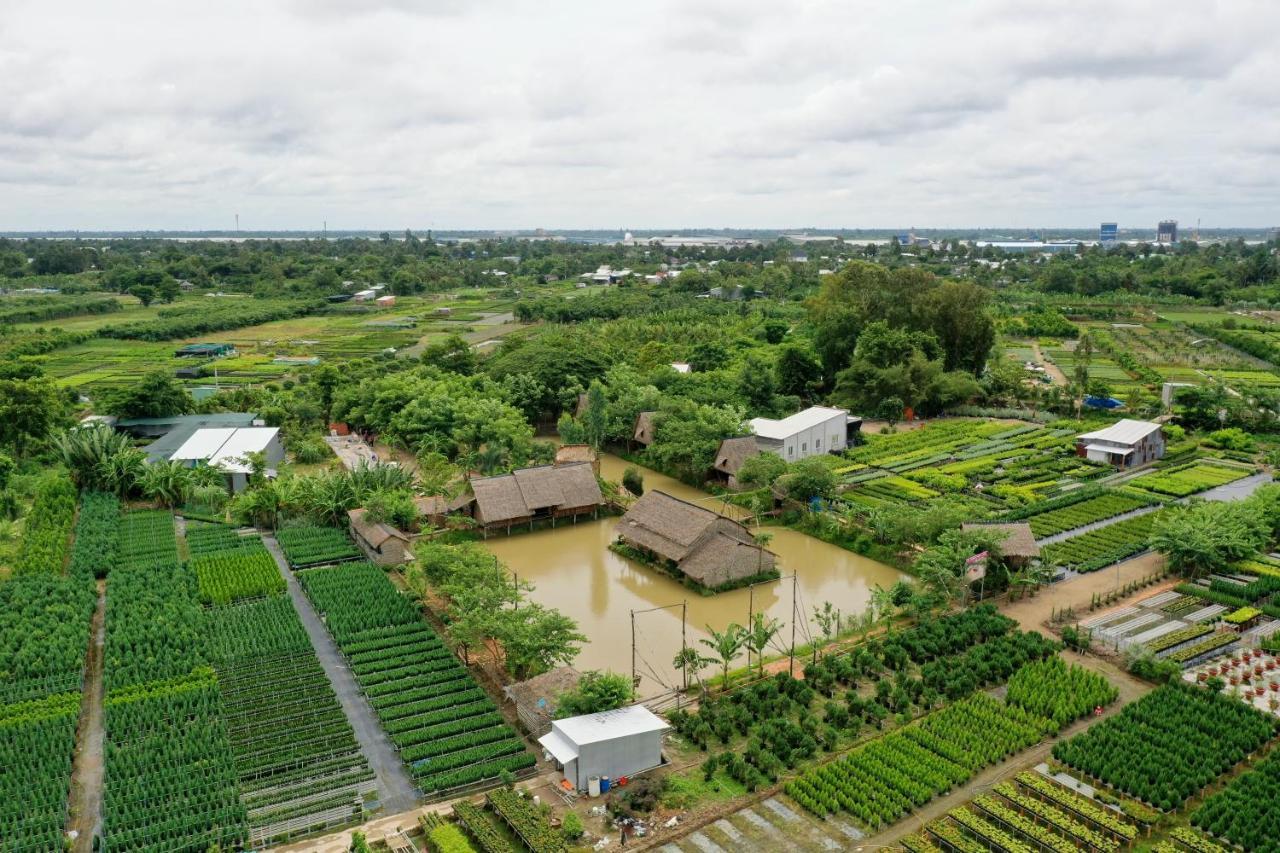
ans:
(791, 667)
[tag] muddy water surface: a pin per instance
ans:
(573, 569)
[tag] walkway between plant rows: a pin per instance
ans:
(396, 791)
(1094, 525)
(87, 768)
(1236, 491)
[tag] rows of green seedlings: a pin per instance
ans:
(1190, 479)
(877, 784)
(1245, 813)
(170, 781)
(44, 616)
(37, 740)
(526, 821)
(212, 538)
(296, 756)
(1059, 691)
(235, 574)
(1168, 745)
(446, 730)
(44, 635)
(1100, 548)
(46, 531)
(313, 546)
(1085, 512)
(934, 442)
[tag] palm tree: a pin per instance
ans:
(121, 473)
(760, 634)
(166, 482)
(99, 458)
(726, 644)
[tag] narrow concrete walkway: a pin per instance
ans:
(396, 791)
(84, 808)
(1237, 491)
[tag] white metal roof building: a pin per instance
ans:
(812, 432)
(616, 743)
(1125, 443)
(225, 448)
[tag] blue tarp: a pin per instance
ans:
(1103, 402)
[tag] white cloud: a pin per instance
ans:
(496, 114)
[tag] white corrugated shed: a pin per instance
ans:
(1126, 431)
(612, 743)
(606, 725)
(203, 443)
(225, 447)
(246, 440)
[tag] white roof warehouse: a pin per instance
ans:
(612, 743)
(226, 449)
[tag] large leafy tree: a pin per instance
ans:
(1206, 537)
(595, 692)
(30, 409)
(156, 395)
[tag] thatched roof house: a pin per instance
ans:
(568, 454)
(730, 456)
(529, 494)
(381, 543)
(536, 699)
(709, 549)
(1016, 542)
(436, 507)
(643, 431)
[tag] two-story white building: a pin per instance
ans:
(1124, 444)
(812, 432)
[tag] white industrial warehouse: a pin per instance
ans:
(611, 744)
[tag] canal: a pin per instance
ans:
(573, 570)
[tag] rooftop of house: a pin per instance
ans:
(608, 725)
(524, 491)
(226, 447)
(1016, 539)
(1125, 431)
(800, 421)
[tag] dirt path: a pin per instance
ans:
(85, 804)
(1033, 613)
(396, 791)
(1055, 372)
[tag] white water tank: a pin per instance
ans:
(593, 786)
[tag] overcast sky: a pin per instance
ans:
(603, 114)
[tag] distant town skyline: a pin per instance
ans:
(500, 115)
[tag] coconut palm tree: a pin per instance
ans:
(726, 644)
(759, 635)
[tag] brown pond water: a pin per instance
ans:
(572, 569)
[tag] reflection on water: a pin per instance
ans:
(573, 570)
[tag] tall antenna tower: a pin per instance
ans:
(1197, 229)
(237, 222)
